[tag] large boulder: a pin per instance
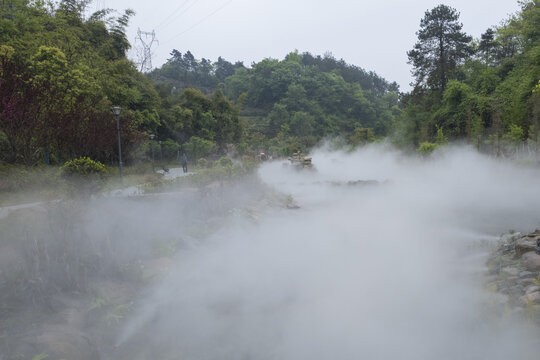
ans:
(531, 260)
(532, 298)
(525, 244)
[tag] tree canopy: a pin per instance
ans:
(441, 47)
(486, 96)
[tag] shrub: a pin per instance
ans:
(426, 148)
(197, 147)
(225, 161)
(202, 163)
(83, 167)
(85, 176)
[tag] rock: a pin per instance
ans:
(507, 248)
(515, 291)
(527, 282)
(510, 271)
(531, 288)
(532, 298)
(531, 260)
(526, 274)
(525, 244)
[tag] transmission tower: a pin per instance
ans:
(144, 54)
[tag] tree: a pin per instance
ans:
(441, 47)
(487, 46)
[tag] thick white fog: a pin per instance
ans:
(392, 270)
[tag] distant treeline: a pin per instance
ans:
(286, 105)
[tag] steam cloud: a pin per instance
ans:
(387, 271)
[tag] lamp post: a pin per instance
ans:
(160, 153)
(116, 111)
(152, 144)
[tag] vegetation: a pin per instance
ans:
(61, 71)
(59, 76)
(484, 91)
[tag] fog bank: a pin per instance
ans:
(391, 270)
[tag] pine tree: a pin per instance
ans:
(441, 47)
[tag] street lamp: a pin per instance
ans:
(152, 136)
(116, 111)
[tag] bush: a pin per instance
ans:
(85, 176)
(225, 161)
(169, 149)
(426, 148)
(197, 147)
(202, 163)
(83, 167)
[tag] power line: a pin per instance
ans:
(182, 13)
(173, 13)
(198, 22)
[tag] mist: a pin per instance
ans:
(388, 269)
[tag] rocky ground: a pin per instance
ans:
(514, 274)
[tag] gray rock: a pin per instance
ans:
(532, 298)
(531, 288)
(525, 244)
(527, 282)
(526, 274)
(510, 271)
(531, 260)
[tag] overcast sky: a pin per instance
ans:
(374, 35)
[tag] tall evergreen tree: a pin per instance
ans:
(441, 47)
(487, 46)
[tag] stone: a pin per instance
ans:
(531, 288)
(527, 282)
(524, 245)
(531, 260)
(532, 298)
(510, 271)
(526, 274)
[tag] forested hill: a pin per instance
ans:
(61, 71)
(291, 102)
(183, 71)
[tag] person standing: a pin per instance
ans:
(184, 162)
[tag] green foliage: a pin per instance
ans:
(60, 73)
(197, 147)
(225, 161)
(426, 148)
(84, 175)
(486, 97)
(292, 103)
(362, 136)
(441, 139)
(515, 134)
(202, 163)
(441, 47)
(536, 88)
(40, 356)
(83, 167)
(169, 149)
